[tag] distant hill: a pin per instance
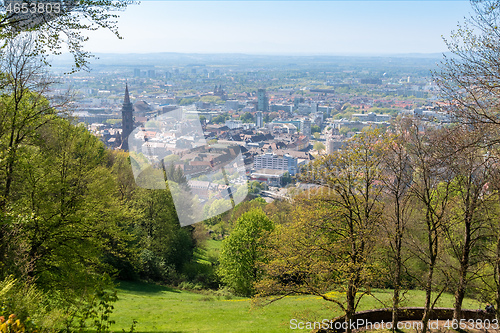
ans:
(169, 59)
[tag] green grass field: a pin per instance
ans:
(162, 309)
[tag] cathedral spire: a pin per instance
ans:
(127, 119)
(126, 100)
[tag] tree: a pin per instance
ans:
(212, 99)
(23, 106)
(220, 119)
(23, 111)
(163, 241)
(397, 170)
(493, 287)
(431, 188)
(319, 146)
(247, 117)
(242, 250)
(470, 205)
(51, 32)
(469, 80)
(330, 242)
(74, 214)
(287, 179)
(344, 130)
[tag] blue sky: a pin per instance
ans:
(283, 27)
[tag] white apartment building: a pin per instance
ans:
(275, 162)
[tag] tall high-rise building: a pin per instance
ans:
(305, 127)
(259, 119)
(137, 72)
(151, 73)
(262, 101)
(127, 119)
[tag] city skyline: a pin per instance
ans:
(283, 27)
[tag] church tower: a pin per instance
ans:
(127, 119)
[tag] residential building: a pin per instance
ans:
(372, 117)
(275, 162)
(318, 118)
(334, 142)
(232, 124)
(269, 176)
(232, 105)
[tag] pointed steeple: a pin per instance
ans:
(127, 119)
(126, 100)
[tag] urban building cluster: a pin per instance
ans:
(276, 130)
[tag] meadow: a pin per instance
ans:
(162, 309)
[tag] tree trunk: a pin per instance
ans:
(497, 276)
(350, 311)
(397, 285)
(464, 267)
(433, 246)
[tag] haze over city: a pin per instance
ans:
(283, 27)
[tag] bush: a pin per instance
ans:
(31, 306)
(224, 292)
(186, 285)
(154, 268)
(201, 274)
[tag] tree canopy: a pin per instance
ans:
(65, 29)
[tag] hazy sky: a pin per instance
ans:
(283, 27)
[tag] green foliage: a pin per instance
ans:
(63, 212)
(73, 23)
(31, 306)
(287, 179)
(344, 130)
(164, 243)
(315, 129)
(113, 121)
(330, 238)
(254, 187)
(72, 207)
(153, 124)
(319, 146)
(242, 250)
(220, 119)
(212, 99)
(247, 117)
(97, 309)
(188, 101)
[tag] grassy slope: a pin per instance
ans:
(161, 309)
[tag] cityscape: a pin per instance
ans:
(280, 119)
